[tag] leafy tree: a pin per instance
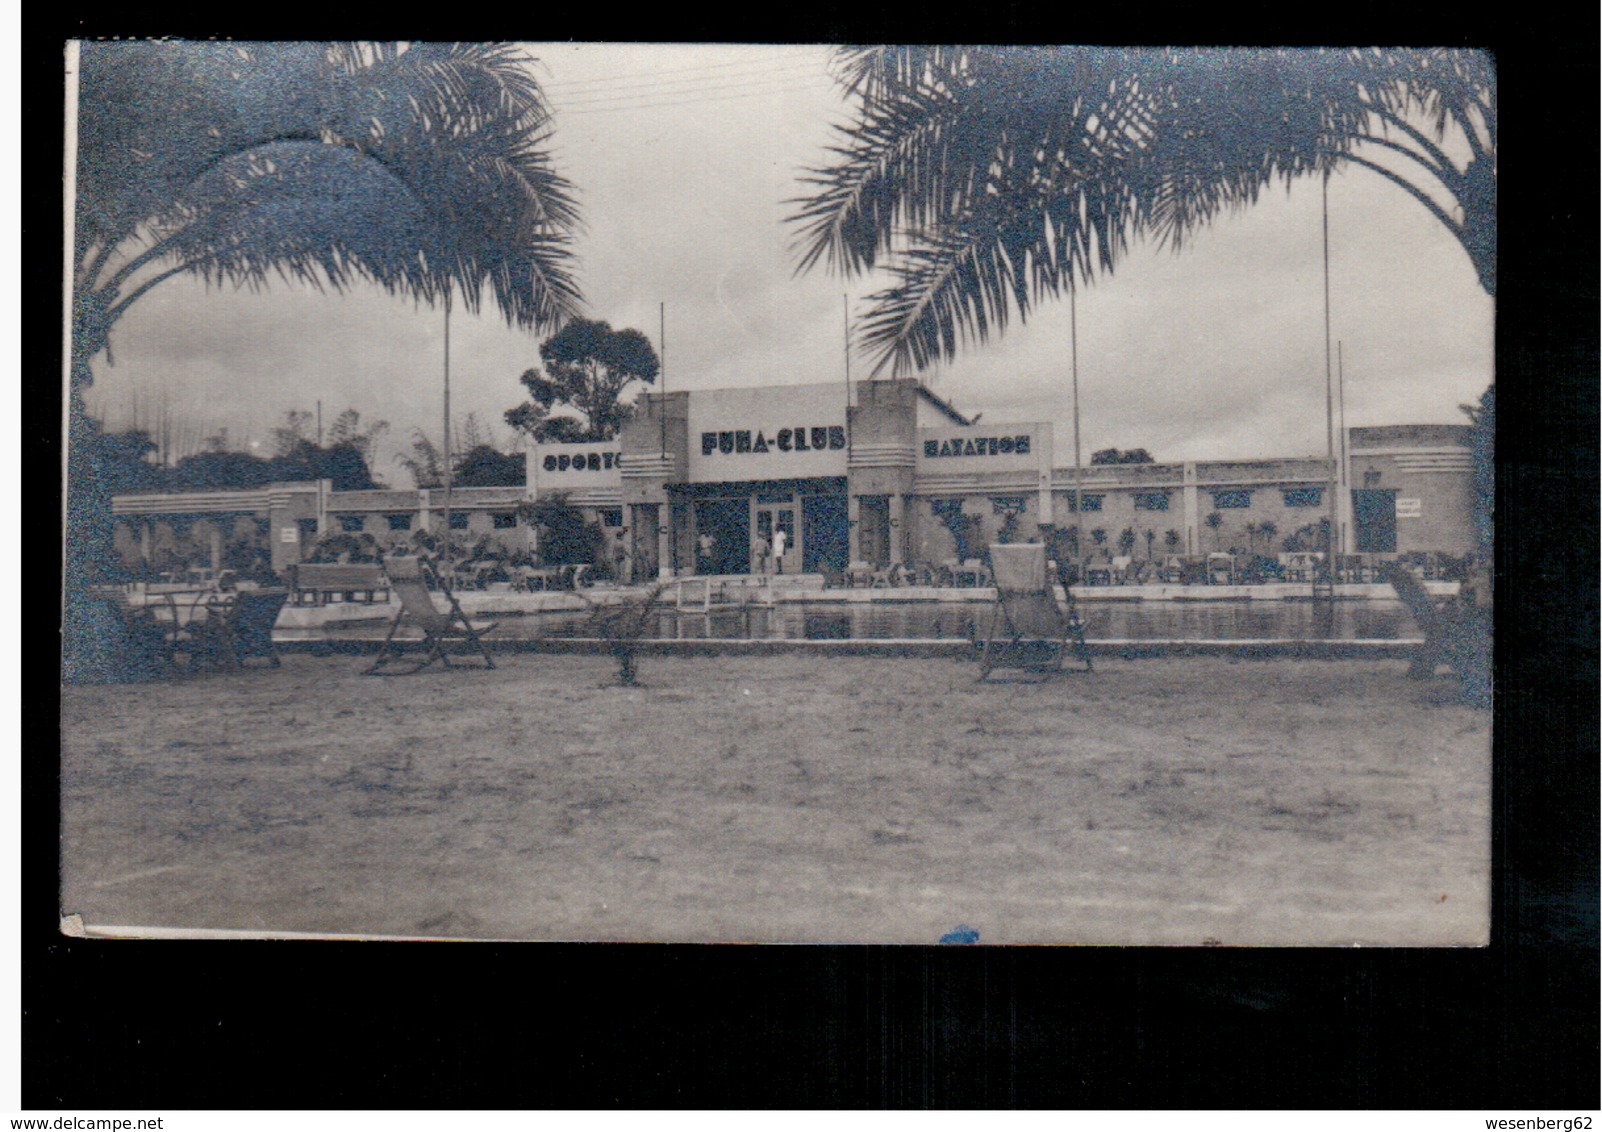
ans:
(1114, 456)
(420, 168)
(1482, 444)
(294, 432)
(340, 463)
(479, 466)
(1126, 540)
(588, 368)
(484, 466)
(981, 178)
(121, 464)
(426, 463)
(347, 429)
(565, 537)
(1171, 540)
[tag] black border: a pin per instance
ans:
(263, 1025)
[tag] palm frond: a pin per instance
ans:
(423, 169)
(984, 178)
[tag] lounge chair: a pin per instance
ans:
(1029, 631)
(858, 573)
(972, 572)
(408, 579)
(1220, 569)
(236, 630)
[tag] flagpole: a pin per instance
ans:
(1073, 356)
(447, 426)
(1329, 402)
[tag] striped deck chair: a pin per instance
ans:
(408, 580)
(1029, 631)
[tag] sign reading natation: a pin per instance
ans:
(978, 446)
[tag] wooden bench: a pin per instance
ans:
(322, 580)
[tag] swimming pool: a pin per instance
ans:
(936, 620)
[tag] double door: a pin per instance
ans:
(768, 521)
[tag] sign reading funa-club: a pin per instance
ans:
(769, 433)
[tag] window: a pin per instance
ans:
(611, 516)
(1224, 500)
(351, 524)
(1303, 496)
(503, 520)
(1151, 501)
(400, 522)
(458, 520)
(1087, 502)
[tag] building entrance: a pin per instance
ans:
(1374, 514)
(776, 529)
(732, 522)
(722, 536)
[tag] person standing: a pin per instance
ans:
(620, 556)
(708, 547)
(762, 548)
(779, 539)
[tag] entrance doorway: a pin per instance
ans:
(723, 536)
(772, 519)
(824, 533)
(1374, 516)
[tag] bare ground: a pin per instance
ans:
(786, 798)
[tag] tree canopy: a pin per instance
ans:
(982, 179)
(1114, 456)
(588, 368)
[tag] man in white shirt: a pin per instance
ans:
(779, 539)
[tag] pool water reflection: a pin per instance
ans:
(1216, 620)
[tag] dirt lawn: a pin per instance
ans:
(786, 798)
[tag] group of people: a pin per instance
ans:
(769, 553)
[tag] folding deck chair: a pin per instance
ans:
(408, 580)
(1029, 631)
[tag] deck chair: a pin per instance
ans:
(1029, 631)
(408, 580)
(239, 631)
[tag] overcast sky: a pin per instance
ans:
(684, 158)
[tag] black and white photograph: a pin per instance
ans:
(798, 494)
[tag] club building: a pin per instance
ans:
(699, 479)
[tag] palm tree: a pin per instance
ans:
(1214, 520)
(983, 178)
(421, 169)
